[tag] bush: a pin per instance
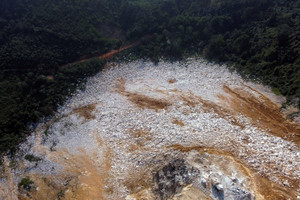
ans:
(32, 158)
(276, 91)
(26, 183)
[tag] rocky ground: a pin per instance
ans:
(189, 130)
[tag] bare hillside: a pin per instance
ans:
(190, 130)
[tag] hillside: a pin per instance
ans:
(138, 131)
(149, 99)
(259, 38)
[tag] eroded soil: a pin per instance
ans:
(133, 119)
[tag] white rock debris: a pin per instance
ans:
(139, 137)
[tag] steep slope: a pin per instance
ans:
(136, 118)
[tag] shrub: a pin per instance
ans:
(32, 158)
(26, 183)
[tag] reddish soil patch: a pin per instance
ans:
(106, 55)
(141, 100)
(264, 113)
(90, 182)
(86, 111)
(172, 80)
(178, 122)
(112, 52)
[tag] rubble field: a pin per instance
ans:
(183, 130)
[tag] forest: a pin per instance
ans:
(38, 38)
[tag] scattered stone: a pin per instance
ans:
(203, 182)
(196, 98)
(219, 187)
(171, 179)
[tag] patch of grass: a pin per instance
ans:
(32, 158)
(276, 91)
(2, 166)
(26, 183)
(12, 164)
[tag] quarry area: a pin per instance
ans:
(184, 130)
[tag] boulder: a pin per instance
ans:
(171, 179)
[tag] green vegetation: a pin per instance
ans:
(32, 158)
(259, 37)
(61, 194)
(13, 164)
(276, 91)
(26, 183)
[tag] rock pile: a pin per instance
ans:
(203, 173)
(171, 179)
(109, 140)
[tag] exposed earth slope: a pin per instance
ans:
(190, 130)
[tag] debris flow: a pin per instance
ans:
(183, 130)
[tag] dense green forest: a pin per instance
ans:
(261, 38)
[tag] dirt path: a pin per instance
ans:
(112, 52)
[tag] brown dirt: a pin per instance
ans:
(48, 188)
(271, 190)
(137, 180)
(141, 100)
(263, 113)
(263, 186)
(106, 55)
(178, 122)
(86, 111)
(111, 53)
(90, 176)
(172, 80)
(84, 174)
